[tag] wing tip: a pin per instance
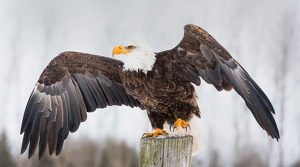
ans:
(23, 150)
(276, 136)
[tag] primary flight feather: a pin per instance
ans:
(161, 83)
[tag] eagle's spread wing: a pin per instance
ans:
(70, 86)
(199, 54)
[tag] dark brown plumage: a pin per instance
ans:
(75, 83)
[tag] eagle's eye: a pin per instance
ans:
(130, 47)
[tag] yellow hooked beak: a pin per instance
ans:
(119, 50)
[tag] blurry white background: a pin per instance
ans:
(262, 35)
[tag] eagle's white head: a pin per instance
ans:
(136, 55)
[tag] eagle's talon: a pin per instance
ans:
(166, 133)
(174, 128)
(171, 126)
(181, 123)
(187, 126)
(144, 135)
(156, 133)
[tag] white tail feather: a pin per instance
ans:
(194, 131)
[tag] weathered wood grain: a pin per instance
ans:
(170, 151)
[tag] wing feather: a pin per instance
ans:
(71, 85)
(55, 126)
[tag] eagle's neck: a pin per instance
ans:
(136, 62)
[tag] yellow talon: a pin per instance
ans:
(181, 123)
(156, 133)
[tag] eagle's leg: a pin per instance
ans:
(179, 123)
(156, 133)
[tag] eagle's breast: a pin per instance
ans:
(157, 90)
(139, 85)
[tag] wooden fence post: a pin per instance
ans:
(170, 151)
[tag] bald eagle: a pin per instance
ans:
(161, 83)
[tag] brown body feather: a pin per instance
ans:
(75, 83)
